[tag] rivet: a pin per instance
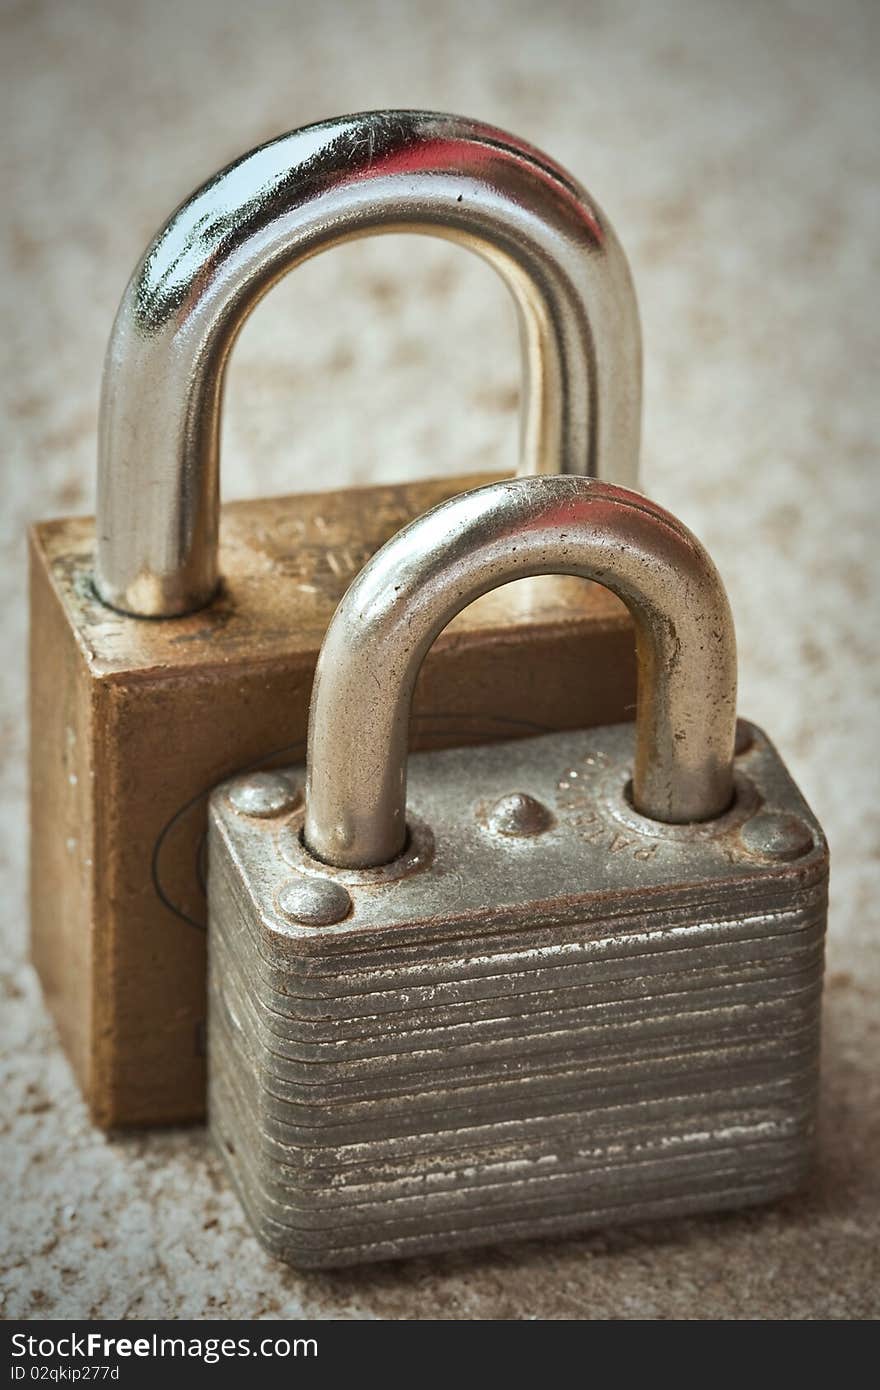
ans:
(263, 794)
(519, 814)
(775, 835)
(315, 902)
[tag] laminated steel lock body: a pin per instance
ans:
(132, 722)
(564, 982)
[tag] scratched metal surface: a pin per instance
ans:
(595, 851)
(689, 1084)
(759, 431)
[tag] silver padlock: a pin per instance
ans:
(557, 984)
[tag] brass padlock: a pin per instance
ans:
(133, 721)
(566, 982)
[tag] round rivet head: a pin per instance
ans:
(263, 794)
(774, 835)
(315, 902)
(519, 814)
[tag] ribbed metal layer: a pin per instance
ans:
(396, 1085)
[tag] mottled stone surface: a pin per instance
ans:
(734, 147)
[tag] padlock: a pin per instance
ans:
(133, 721)
(559, 983)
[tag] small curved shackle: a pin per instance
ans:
(427, 573)
(384, 171)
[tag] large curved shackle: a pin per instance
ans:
(386, 171)
(408, 592)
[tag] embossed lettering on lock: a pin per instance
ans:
(527, 988)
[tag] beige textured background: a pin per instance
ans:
(734, 147)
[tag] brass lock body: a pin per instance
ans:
(586, 988)
(152, 680)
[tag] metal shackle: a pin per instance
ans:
(383, 171)
(427, 573)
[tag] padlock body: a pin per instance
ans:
(518, 1034)
(134, 721)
